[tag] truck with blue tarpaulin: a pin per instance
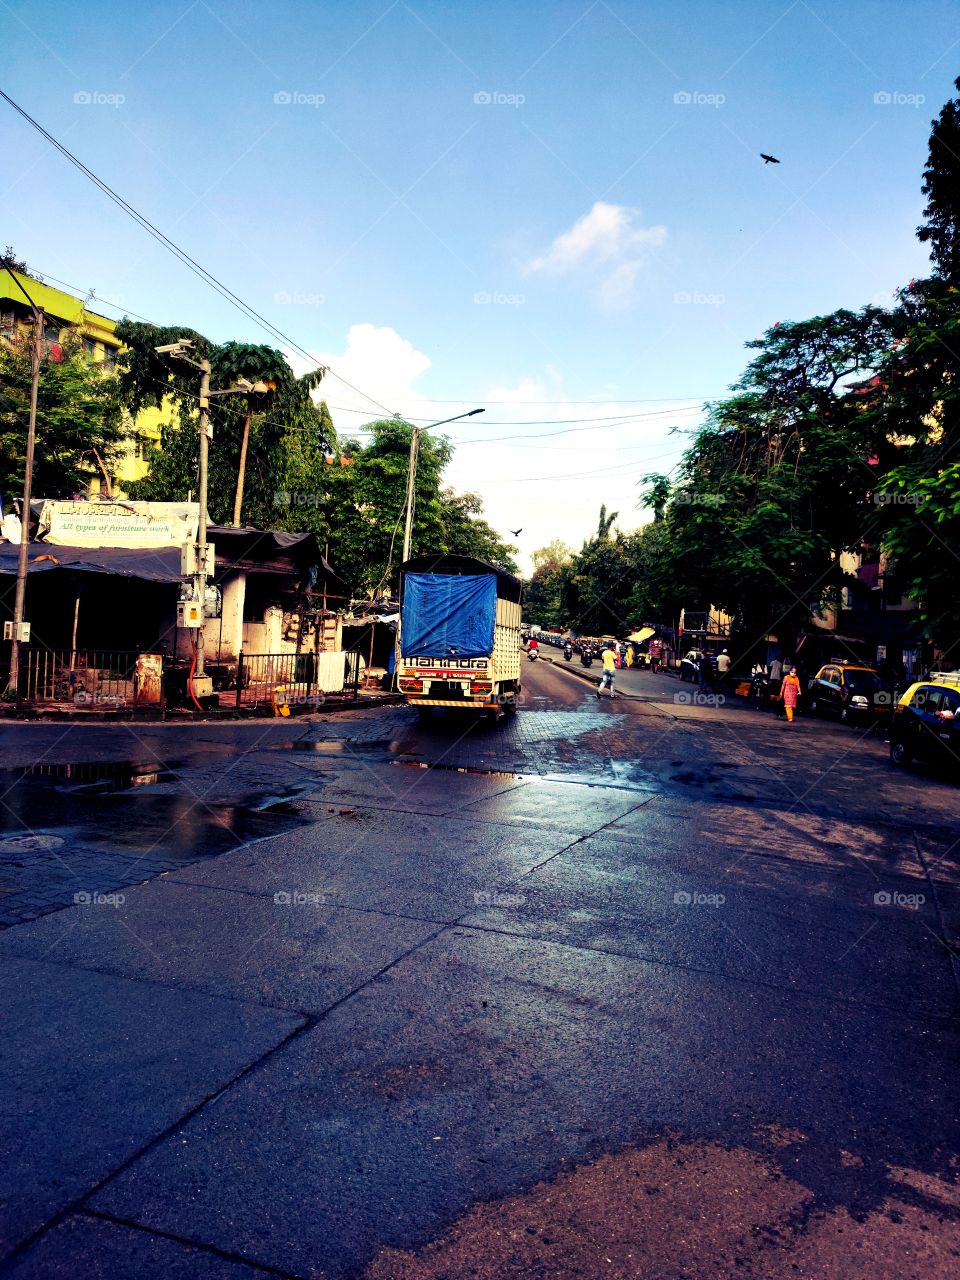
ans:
(458, 642)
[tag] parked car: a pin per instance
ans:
(851, 692)
(689, 664)
(926, 723)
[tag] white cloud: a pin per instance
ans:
(608, 238)
(380, 363)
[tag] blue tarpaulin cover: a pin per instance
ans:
(448, 615)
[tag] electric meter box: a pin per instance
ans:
(24, 637)
(188, 559)
(189, 613)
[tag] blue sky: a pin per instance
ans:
(555, 210)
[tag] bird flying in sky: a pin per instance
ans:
(768, 159)
(517, 532)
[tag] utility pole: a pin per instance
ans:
(23, 557)
(411, 492)
(39, 322)
(412, 475)
(202, 685)
(200, 565)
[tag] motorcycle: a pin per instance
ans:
(533, 654)
(567, 652)
(586, 658)
(760, 690)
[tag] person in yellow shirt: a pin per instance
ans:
(609, 669)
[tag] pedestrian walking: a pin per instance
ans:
(790, 693)
(723, 666)
(609, 668)
(704, 673)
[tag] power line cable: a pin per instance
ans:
(181, 254)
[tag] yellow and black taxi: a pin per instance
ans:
(850, 691)
(926, 723)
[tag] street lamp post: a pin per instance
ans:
(202, 684)
(412, 475)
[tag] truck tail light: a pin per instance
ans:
(481, 686)
(408, 684)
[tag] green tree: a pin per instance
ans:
(917, 399)
(941, 186)
(287, 432)
(779, 480)
(545, 591)
(79, 423)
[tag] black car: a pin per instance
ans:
(926, 725)
(850, 692)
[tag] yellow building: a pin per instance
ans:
(64, 312)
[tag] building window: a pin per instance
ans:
(89, 349)
(109, 357)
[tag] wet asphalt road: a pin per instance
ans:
(636, 988)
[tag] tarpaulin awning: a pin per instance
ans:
(159, 565)
(643, 634)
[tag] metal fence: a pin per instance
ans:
(111, 679)
(288, 679)
(97, 679)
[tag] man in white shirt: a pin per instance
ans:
(723, 666)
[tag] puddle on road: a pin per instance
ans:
(337, 747)
(461, 768)
(121, 808)
(102, 775)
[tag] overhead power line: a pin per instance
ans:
(181, 254)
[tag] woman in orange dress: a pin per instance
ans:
(790, 692)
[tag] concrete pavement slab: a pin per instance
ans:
(296, 953)
(92, 1068)
(759, 922)
(422, 866)
(403, 787)
(556, 805)
(482, 1064)
(837, 844)
(83, 1247)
